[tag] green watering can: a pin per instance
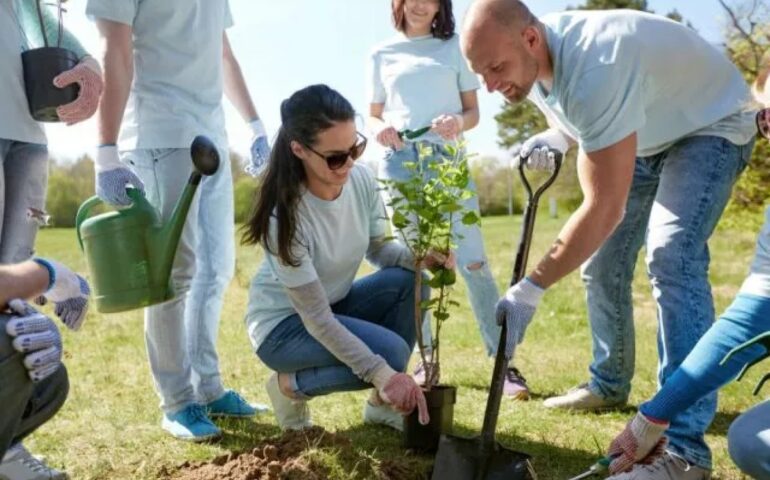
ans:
(130, 251)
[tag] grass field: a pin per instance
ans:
(109, 427)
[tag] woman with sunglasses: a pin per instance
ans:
(419, 79)
(317, 216)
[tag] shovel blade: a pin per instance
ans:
(462, 459)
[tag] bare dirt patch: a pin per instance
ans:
(296, 455)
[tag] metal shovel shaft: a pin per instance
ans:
(522, 254)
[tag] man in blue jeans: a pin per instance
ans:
(664, 127)
(167, 64)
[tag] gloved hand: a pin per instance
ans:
(448, 127)
(260, 149)
(763, 122)
(388, 137)
(405, 395)
(535, 150)
(88, 75)
(68, 291)
(642, 441)
(37, 337)
(516, 309)
(113, 177)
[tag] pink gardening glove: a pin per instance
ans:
(642, 441)
(448, 127)
(88, 75)
(404, 394)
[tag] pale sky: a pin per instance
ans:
(284, 45)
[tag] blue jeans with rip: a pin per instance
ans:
(675, 202)
(471, 258)
(181, 334)
(23, 183)
(379, 309)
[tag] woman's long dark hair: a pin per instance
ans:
(443, 25)
(304, 115)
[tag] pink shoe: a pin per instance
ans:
(419, 374)
(515, 385)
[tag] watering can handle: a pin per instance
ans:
(82, 214)
(134, 194)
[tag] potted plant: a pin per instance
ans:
(424, 207)
(41, 65)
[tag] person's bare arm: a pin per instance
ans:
(22, 280)
(605, 178)
(470, 102)
(118, 63)
(235, 84)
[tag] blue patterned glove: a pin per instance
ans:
(112, 177)
(260, 149)
(516, 309)
(37, 337)
(68, 291)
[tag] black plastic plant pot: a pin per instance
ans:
(41, 66)
(441, 406)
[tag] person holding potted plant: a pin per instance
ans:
(23, 143)
(419, 79)
(24, 152)
(318, 215)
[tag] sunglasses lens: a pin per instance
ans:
(336, 162)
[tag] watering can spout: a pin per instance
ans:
(205, 158)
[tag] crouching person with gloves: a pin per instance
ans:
(318, 215)
(33, 380)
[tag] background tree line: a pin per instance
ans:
(747, 42)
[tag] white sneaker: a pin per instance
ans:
(291, 414)
(670, 466)
(19, 464)
(581, 398)
(383, 415)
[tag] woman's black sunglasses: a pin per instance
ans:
(336, 161)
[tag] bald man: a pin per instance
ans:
(664, 128)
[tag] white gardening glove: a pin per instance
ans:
(448, 127)
(260, 149)
(113, 177)
(535, 150)
(68, 291)
(516, 309)
(642, 441)
(37, 337)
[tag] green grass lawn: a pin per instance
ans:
(109, 427)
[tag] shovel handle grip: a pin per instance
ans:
(528, 225)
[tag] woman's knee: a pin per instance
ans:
(395, 351)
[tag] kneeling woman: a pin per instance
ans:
(317, 216)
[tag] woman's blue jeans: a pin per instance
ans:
(379, 309)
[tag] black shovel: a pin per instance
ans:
(483, 458)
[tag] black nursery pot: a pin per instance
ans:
(41, 66)
(441, 406)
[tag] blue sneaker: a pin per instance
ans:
(190, 423)
(233, 405)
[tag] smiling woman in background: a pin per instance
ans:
(419, 79)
